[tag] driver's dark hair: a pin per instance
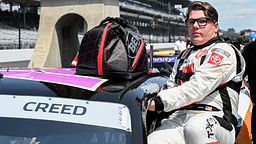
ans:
(208, 9)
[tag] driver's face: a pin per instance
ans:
(201, 34)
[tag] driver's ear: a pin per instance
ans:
(216, 26)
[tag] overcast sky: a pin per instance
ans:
(237, 14)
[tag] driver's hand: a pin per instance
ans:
(151, 106)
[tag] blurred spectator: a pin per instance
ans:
(252, 36)
(249, 54)
(242, 39)
(179, 45)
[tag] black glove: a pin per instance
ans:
(144, 103)
(150, 95)
(147, 99)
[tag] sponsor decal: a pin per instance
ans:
(200, 53)
(55, 108)
(221, 51)
(133, 42)
(163, 59)
(215, 59)
(150, 87)
(103, 114)
(188, 69)
(209, 127)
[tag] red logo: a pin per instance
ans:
(188, 69)
(200, 53)
(215, 59)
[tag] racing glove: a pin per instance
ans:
(145, 101)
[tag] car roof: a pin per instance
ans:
(49, 82)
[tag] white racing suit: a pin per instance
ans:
(203, 89)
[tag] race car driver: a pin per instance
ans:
(203, 87)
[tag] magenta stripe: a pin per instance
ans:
(73, 80)
(63, 76)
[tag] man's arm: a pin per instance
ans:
(207, 77)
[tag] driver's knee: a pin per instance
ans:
(167, 135)
(156, 138)
(200, 127)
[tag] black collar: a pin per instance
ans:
(211, 41)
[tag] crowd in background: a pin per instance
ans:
(182, 44)
(243, 40)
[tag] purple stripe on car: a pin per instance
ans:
(162, 59)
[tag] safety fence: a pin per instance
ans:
(26, 45)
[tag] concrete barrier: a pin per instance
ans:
(160, 46)
(15, 58)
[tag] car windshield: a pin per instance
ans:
(166, 66)
(44, 120)
(31, 131)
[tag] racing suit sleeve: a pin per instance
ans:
(217, 69)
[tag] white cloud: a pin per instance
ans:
(247, 11)
(242, 1)
(237, 17)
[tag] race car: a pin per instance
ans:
(163, 61)
(49, 106)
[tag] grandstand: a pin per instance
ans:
(10, 38)
(12, 31)
(159, 21)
